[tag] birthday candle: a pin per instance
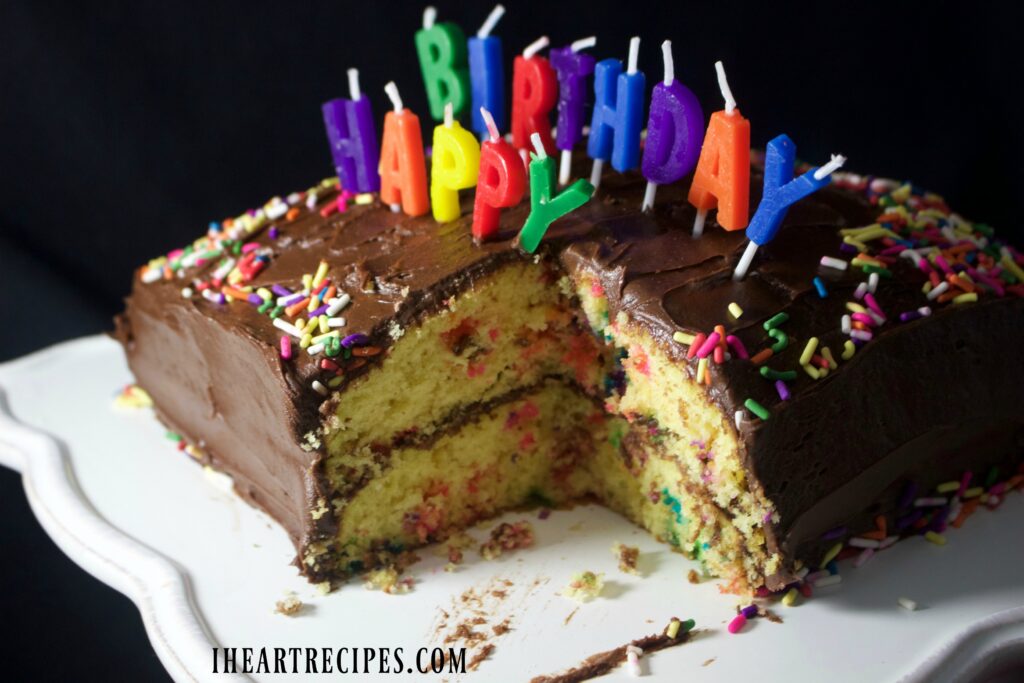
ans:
(618, 114)
(487, 74)
(353, 138)
(501, 182)
(534, 92)
(722, 177)
(454, 166)
(545, 207)
(675, 128)
(403, 171)
(781, 190)
(573, 67)
(442, 53)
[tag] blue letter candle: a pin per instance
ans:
(487, 74)
(781, 190)
(353, 139)
(618, 114)
(675, 130)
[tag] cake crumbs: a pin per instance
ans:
(628, 557)
(585, 586)
(387, 579)
(570, 615)
(502, 628)
(692, 576)
(290, 606)
(506, 537)
(707, 662)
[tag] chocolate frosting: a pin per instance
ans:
(822, 458)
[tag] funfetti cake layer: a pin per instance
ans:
(841, 405)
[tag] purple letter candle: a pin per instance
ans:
(573, 67)
(353, 139)
(675, 130)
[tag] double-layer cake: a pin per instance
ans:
(377, 382)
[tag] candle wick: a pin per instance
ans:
(449, 114)
(429, 17)
(492, 128)
(832, 166)
(723, 85)
(538, 146)
(535, 47)
(670, 67)
(583, 43)
(396, 100)
(353, 84)
(745, 260)
(634, 54)
(491, 21)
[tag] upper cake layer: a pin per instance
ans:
(397, 270)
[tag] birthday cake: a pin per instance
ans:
(377, 381)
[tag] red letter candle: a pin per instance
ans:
(403, 170)
(534, 94)
(501, 183)
(722, 177)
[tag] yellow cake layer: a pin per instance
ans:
(510, 330)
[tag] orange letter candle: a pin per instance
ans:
(722, 178)
(403, 170)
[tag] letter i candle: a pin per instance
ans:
(573, 68)
(722, 178)
(487, 73)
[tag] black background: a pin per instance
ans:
(126, 127)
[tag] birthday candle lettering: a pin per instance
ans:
(442, 53)
(501, 182)
(353, 139)
(487, 73)
(618, 113)
(545, 206)
(403, 171)
(573, 68)
(722, 178)
(534, 92)
(454, 166)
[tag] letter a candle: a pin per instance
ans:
(722, 177)
(500, 184)
(353, 139)
(454, 166)
(534, 93)
(544, 207)
(618, 114)
(781, 190)
(675, 128)
(442, 52)
(403, 171)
